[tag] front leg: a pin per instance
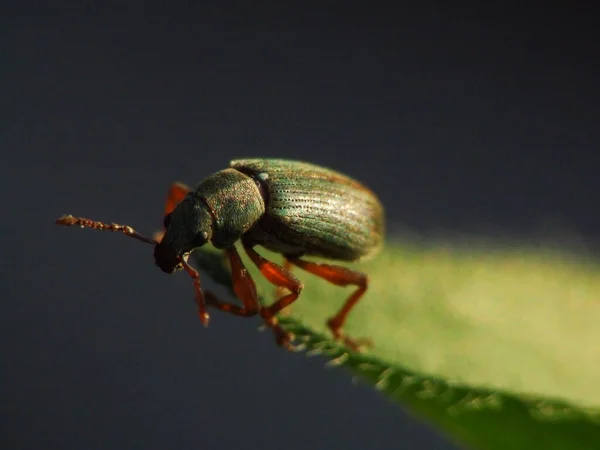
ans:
(176, 194)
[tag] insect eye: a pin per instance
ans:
(167, 220)
(200, 240)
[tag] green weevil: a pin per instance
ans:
(292, 208)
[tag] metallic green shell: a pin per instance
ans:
(314, 211)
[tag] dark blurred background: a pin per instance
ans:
(465, 121)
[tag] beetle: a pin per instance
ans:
(293, 208)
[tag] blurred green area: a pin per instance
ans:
(496, 346)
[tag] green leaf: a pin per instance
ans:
(498, 349)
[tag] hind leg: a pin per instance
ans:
(340, 276)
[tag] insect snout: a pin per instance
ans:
(167, 259)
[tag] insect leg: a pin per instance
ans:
(340, 276)
(280, 277)
(280, 291)
(243, 286)
(176, 193)
(200, 297)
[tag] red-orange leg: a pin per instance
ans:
(280, 277)
(280, 291)
(340, 276)
(176, 193)
(200, 299)
(243, 286)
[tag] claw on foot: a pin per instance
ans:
(358, 345)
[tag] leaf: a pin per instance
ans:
(498, 349)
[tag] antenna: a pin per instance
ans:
(82, 222)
